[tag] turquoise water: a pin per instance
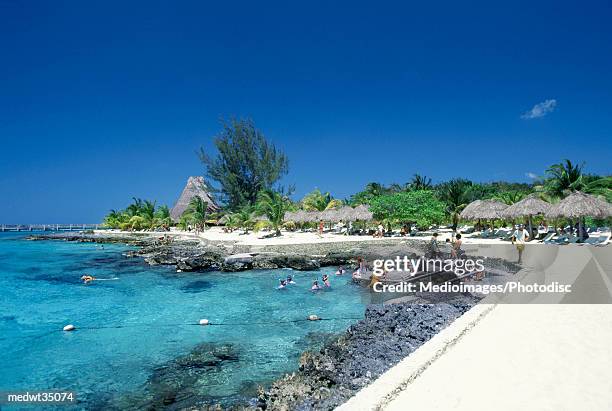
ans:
(155, 309)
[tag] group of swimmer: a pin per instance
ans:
(316, 285)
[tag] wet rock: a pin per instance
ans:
(385, 336)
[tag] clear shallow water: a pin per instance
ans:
(41, 292)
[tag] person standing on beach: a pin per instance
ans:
(434, 246)
(320, 227)
(519, 237)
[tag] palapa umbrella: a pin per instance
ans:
(363, 212)
(529, 206)
(579, 205)
(330, 215)
(289, 216)
(312, 216)
(347, 213)
(468, 211)
(487, 209)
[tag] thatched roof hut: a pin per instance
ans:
(578, 205)
(347, 213)
(468, 211)
(312, 216)
(530, 205)
(195, 187)
(485, 209)
(363, 212)
(331, 215)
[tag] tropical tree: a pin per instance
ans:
(162, 217)
(274, 205)
(600, 187)
(317, 201)
(421, 207)
(246, 163)
(196, 211)
(453, 194)
(420, 182)
(510, 197)
(373, 190)
(564, 177)
(244, 218)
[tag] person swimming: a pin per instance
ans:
(326, 280)
(290, 280)
(282, 284)
(315, 286)
(87, 278)
(340, 270)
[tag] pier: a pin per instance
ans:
(49, 227)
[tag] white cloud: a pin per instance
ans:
(531, 175)
(541, 109)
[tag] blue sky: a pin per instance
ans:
(102, 101)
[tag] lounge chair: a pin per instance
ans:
(604, 240)
(548, 238)
(573, 240)
(593, 240)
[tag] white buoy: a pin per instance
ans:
(313, 317)
(69, 327)
(204, 321)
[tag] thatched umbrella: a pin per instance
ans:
(363, 212)
(468, 211)
(330, 215)
(300, 216)
(485, 209)
(529, 206)
(347, 213)
(312, 216)
(579, 205)
(289, 216)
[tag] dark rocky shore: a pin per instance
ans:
(202, 255)
(325, 378)
(385, 336)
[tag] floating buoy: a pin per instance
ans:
(313, 317)
(69, 327)
(204, 321)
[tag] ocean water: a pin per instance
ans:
(129, 330)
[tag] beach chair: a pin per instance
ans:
(593, 240)
(562, 239)
(548, 238)
(604, 240)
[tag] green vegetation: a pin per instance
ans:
(274, 205)
(246, 164)
(196, 212)
(140, 215)
(317, 201)
(420, 206)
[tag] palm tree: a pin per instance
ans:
(162, 217)
(420, 182)
(510, 197)
(601, 186)
(274, 205)
(244, 218)
(564, 177)
(197, 210)
(134, 208)
(317, 201)
(454, 194)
